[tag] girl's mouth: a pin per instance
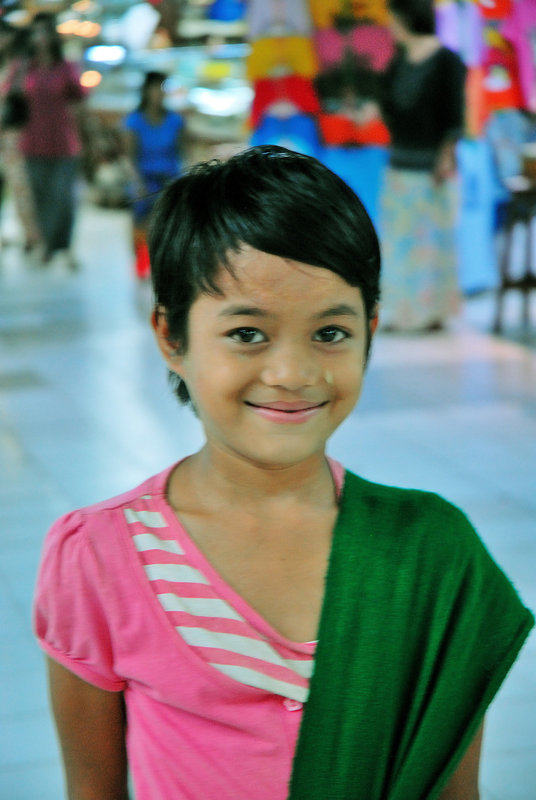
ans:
(287, 412)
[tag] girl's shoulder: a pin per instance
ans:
(90, 526)
(414, 516)
(133, 119)
(173, 119)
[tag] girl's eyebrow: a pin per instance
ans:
(341, 310)
(243, 311)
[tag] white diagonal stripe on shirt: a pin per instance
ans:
(175, 573)
(199, 606)
(148, 541)
(261, 681)
(152, 519)
(303, 667)
(233, 643)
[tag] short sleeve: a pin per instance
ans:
(131, 122)
(70, 618)
(73, 87)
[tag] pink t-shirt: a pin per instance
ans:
(214, 694)
(51, 130)
(520, 29)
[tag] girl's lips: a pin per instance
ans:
(282, 405)
(285, 412)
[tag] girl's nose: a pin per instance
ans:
(291, 368)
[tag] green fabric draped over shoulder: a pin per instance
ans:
(418, 630)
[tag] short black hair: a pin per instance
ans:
(418, 16)
(273, 199)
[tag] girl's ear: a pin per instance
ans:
(170, 350)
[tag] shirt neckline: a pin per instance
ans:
(218, 583)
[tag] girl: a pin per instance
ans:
(12, 167)
(255, 621)
(154, 137)
(51, 141)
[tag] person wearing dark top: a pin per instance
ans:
(422, 103)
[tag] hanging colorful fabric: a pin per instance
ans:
(495, 9)
(295, 89)
(289, 16)
(280, 55)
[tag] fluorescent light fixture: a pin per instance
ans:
(111, 54)
(221, 102)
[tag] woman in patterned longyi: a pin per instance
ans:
(423, 106)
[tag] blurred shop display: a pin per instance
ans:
(202, 50)
(207, 84)
(309, 67)
(301, 73)
(199, 44)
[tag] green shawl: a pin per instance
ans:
(418, 630)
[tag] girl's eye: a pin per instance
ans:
(247, 336)
(330, 335)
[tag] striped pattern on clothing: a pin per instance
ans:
(207, 622)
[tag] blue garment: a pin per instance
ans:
(157, 158)
(297, 132)
(362, 168)
(227, 10)
(477, 253)
(507, 131)
(157, 144)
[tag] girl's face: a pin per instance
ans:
(275, 363)
(154, 94)
(41, 36)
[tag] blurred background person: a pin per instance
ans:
(50, 141)
(422, 103)
(13, 178)
(154, 144)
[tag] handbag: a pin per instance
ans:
(15, 111)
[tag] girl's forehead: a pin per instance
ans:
(256, 272)
(277, 285)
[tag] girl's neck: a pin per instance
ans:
(236, 483)
(43, 59)
(154, 114)
(420, 47)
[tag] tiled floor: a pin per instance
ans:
(85, 412)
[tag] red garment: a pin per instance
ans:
(295, 89)
(51, 130)
(142, 265)
(502, 88)
(495, 9)
(337, 129)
